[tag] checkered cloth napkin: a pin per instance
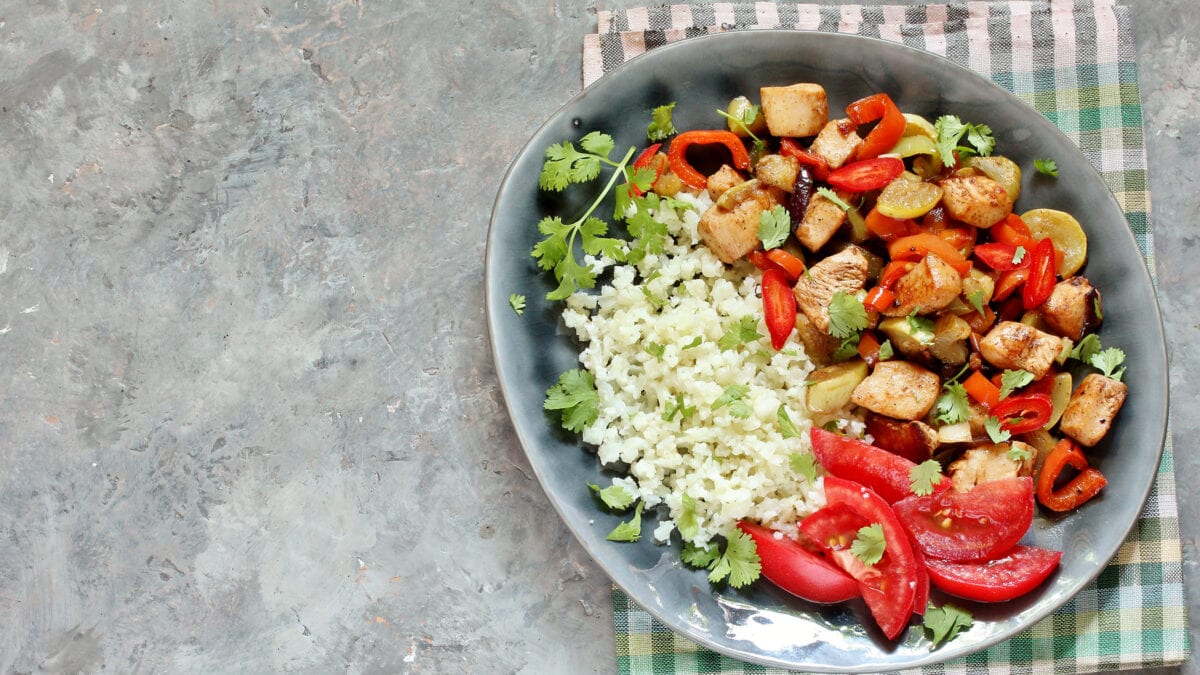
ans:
(1074, 63)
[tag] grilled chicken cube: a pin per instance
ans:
(732, 233)
(1093, 405)
(975, 200)
(929, 286)
(898, 389)
(799, 110)
(913, 440)
(991, 462)
(837, 143)
(1073, 308)
(843, 271)
(725, 178)
(822, 219)
(1016, 346)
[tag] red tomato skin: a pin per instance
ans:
(886, 473)
(806, 575)
(976, 525)
(890, 598)
(779, 306)
(1017, 572)
(866, 175)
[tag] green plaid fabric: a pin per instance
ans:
(1073, 62)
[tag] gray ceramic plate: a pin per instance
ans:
(761, 624)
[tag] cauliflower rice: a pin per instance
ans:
(733, 468)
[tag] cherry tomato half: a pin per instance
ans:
(1020, 570)
(975, 525)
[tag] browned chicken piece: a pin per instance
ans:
(821, 221)
(929, 286)
(986, 463)
(975, 200)
(778, 171)
(725, 178)
(818, 344)
(834, 145)
(1093, 405)
(898, 389)
(1073, 308)
(732, 233)
(798, 110)
(914, 440)
(1017, 346)
(843, 271)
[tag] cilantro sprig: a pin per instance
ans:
(738, 563)
(950, 132)
(924, 477)
(661, 125)
(945, 622)
(774, 226)
(1047, 167)
(575, 399)
(952, 406)
(847, 316)
(870, 544)
(749, 115)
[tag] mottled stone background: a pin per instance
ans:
(249, 418)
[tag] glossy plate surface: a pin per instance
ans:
(761, 624)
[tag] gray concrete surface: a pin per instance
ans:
(250, 420)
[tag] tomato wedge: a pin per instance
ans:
(779, 306)
(795, 569)
(677, 154)
(1042, 275)
(886, 473)
(866, 175)
(1020, 570)
(975, 525)
(1082, 487)
(1023, 413)
(890, 595)
(885, 134)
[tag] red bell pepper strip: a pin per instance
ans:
(1001, 257)
(866, 175)
(915, 246)
(779, 306)
(886, 133)
(879, 299)
(1008, 282)
(1012, 230)
(643, 161)
(793, 266)
(677, 154)
(1023, 413)
(791, 148)
(1080, 489)
(893, 271)
(887, 228)
(1042, 276)
(982, 390)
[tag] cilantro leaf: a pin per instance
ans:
(661, 126)
(995, 432)
(1086, 348)
(1017, 454)
(656, 350)
(1047, 167)
(1107, 361)
(565, 165)
(847, 316)
(833, 197)
(687, 522)
(848, 349)
(952, 405)
(739, 562)
(517, 302)
(678, 407)
(575, 396)
(615, 497)
(774, 226)
(1011, 380)
(945, 622)
(650, 235)
(1018, 255)
(629, 531)
(870, 545)
(976, 300)
(787, 429)
(950, 130)
(921, 328)
(804, 464)
(697, 556)
(924, 477)
(696, 342)
(744, 120)
(745, 330)
(886, 351)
